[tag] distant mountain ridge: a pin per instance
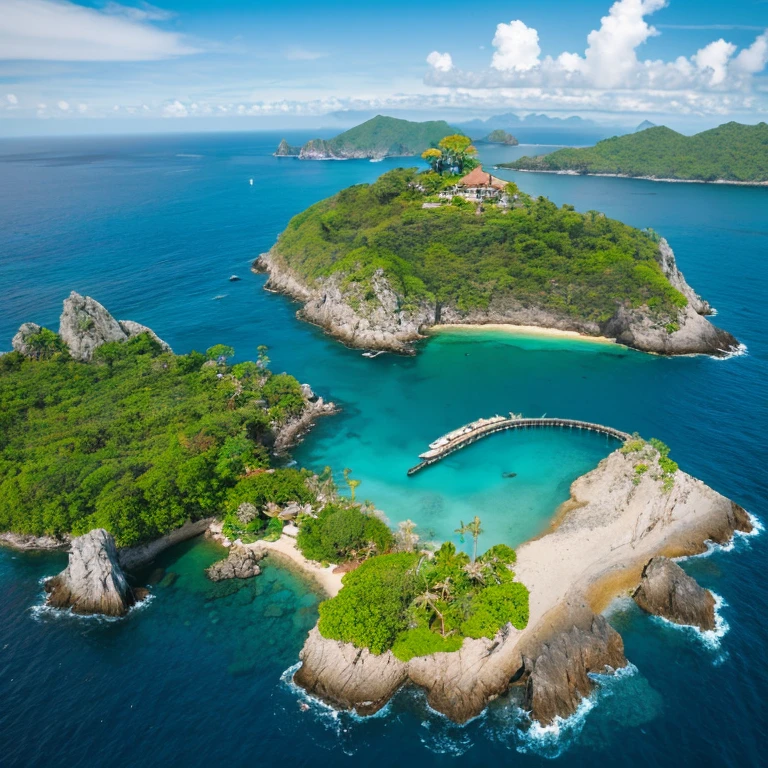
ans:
(730, 153)
(374, 139)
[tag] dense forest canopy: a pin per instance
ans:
(137, 441)
(731, 152)
(534, 252)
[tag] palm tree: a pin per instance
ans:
(474, 529)
(446, 588)
(351, 483)
(428, 600)
(475, 571)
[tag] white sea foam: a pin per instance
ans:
(739, 537)
(710, 638)
(42, 611)
(740, 351)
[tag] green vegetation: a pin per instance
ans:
(342, 532)
(649, 451)
(416, 605)
(732, 152)
(500, 136)
(139, 440)
(378, 137)
(454, 154)
(582, 265)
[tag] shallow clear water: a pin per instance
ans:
(153, 228)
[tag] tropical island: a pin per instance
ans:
(116, 448)
(378, 264)
(732, 153)
(500, 136)
(374, 139)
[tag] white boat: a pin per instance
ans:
(250, 181)
(373, 354)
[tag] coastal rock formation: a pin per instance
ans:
(93, 582)
(348, 677)
(26, 542)
(667, 590)
(617, 520)
(291, 432)
(85, 325)
(378, 321)
(558, 678)
(284, 149)
(242, 563)
(20, 341)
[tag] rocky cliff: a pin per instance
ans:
(377, 319)
(667, 590)
(93, 581)
(617, 520)
(84, 326)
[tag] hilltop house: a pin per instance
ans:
(477, 186)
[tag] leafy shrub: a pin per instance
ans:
(340, 531)
(494, 606)
(421, 641)
(370, 611)
(500, 552)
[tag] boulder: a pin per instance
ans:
(20, 341)
(667, 590)
(85, 325)
(242, 563)
(348, 677)
(558, 679)
(93, 582)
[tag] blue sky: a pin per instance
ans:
(187, 64)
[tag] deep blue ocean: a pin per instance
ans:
(153, 227)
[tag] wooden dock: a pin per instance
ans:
(516, 423)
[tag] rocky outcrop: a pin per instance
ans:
(288, 434)
(284, 149)
(93, 582)
(348, 677)
(27, 542)
(559, 677)
(85, 325)
(378, 319)
(667, 590)
(241, 563)
(20, 341)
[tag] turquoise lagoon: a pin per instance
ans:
(153, 227)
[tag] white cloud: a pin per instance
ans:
(517, 47)
(302, 54)
(442, 62)
(713, 59)
(145, 12)
(12, 99)
(175, 109)
(713, 79)
(58, 30)
(82, 108)
(754, 58)
(63, 106)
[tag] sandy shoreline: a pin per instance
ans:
(285, 549)
(520, 330)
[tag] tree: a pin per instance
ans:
(428, 601)
(263, 360)
(435, 159)
(475, 571)
(474, 529)
(351, 483)
(219, 352)
(458, 151)
(408, 539)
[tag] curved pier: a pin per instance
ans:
(513, 423)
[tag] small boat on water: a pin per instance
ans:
(234, 279)
(371, 354)
(250, 181)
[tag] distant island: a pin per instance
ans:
(377, 265)
(644, 126)
(500, 136)
(732, 153)
(374, 139)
